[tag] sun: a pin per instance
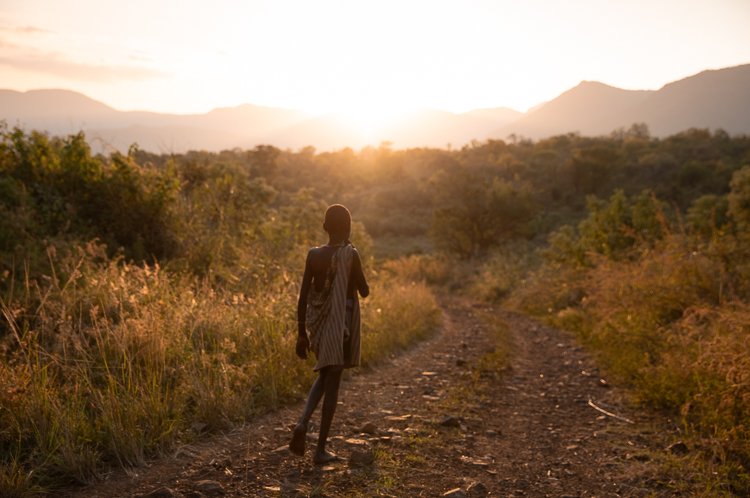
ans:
(369, 113)
(371, 118)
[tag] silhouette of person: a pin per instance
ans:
(328, 309)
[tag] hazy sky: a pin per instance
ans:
(322, 55)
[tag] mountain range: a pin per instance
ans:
(711, 99)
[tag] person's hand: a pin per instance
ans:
(303, 346)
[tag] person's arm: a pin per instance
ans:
(360, 281)
(303, 343)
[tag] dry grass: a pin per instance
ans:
(666, 324)
(398, 315)
(110, 364)
(503, 270)
(431, 269)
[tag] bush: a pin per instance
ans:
(503, 270)
(476, 214)
(421, 268)
(708, 215)
(739, 198)
(670, 324)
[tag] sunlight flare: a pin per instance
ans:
(371, 118)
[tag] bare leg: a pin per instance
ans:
(313, 398)
(297, 444)
(331, 383)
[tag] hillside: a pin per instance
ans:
(711, 99)
(63, 112)
(591, 108)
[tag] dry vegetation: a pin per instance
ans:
(669, 316)
(112, 363)
(147, 299)
(109, 361)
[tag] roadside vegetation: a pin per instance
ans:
(663, 300)
(147, 299)
(142, 307)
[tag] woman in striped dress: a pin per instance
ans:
(328, 309)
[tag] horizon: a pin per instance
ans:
(342, 112)
(370, 63)
(589, 108)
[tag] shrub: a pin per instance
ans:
(739, 198)
(670, 324)
(503, 270)
(430, 269)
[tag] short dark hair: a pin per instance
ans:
(338, 220)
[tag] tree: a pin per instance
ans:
(618, 224)
(739, 198)
(591, 168)
(263, 160)
(707, 214)
(474, 214)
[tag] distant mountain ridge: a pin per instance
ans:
(64, 112)
(590, 108)
(710, 99)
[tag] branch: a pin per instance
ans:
(610, 414)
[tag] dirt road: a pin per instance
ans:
(495, 404)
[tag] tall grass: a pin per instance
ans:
(110, 364)
(671, 322)
(434, 270)
(503, 270)
(399, 314)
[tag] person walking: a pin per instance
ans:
(328, 309)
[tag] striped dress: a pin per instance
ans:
(332, 320)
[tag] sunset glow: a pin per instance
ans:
(370, 119)
(370, 61)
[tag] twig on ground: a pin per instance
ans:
(610, 414)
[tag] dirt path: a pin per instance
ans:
(445, 415)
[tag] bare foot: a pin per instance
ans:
(297, 444)
(324, 457)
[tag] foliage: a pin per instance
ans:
(666, 311)
(111, 363)
(708, 215)
(739, 198)
(611, 229)
(435, 270)
(590, 168)
(472, 200)
(161, 308)
(146, 298)
(503, 271)
(55, 188)
(475, 215)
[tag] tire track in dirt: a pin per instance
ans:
(439, 418)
